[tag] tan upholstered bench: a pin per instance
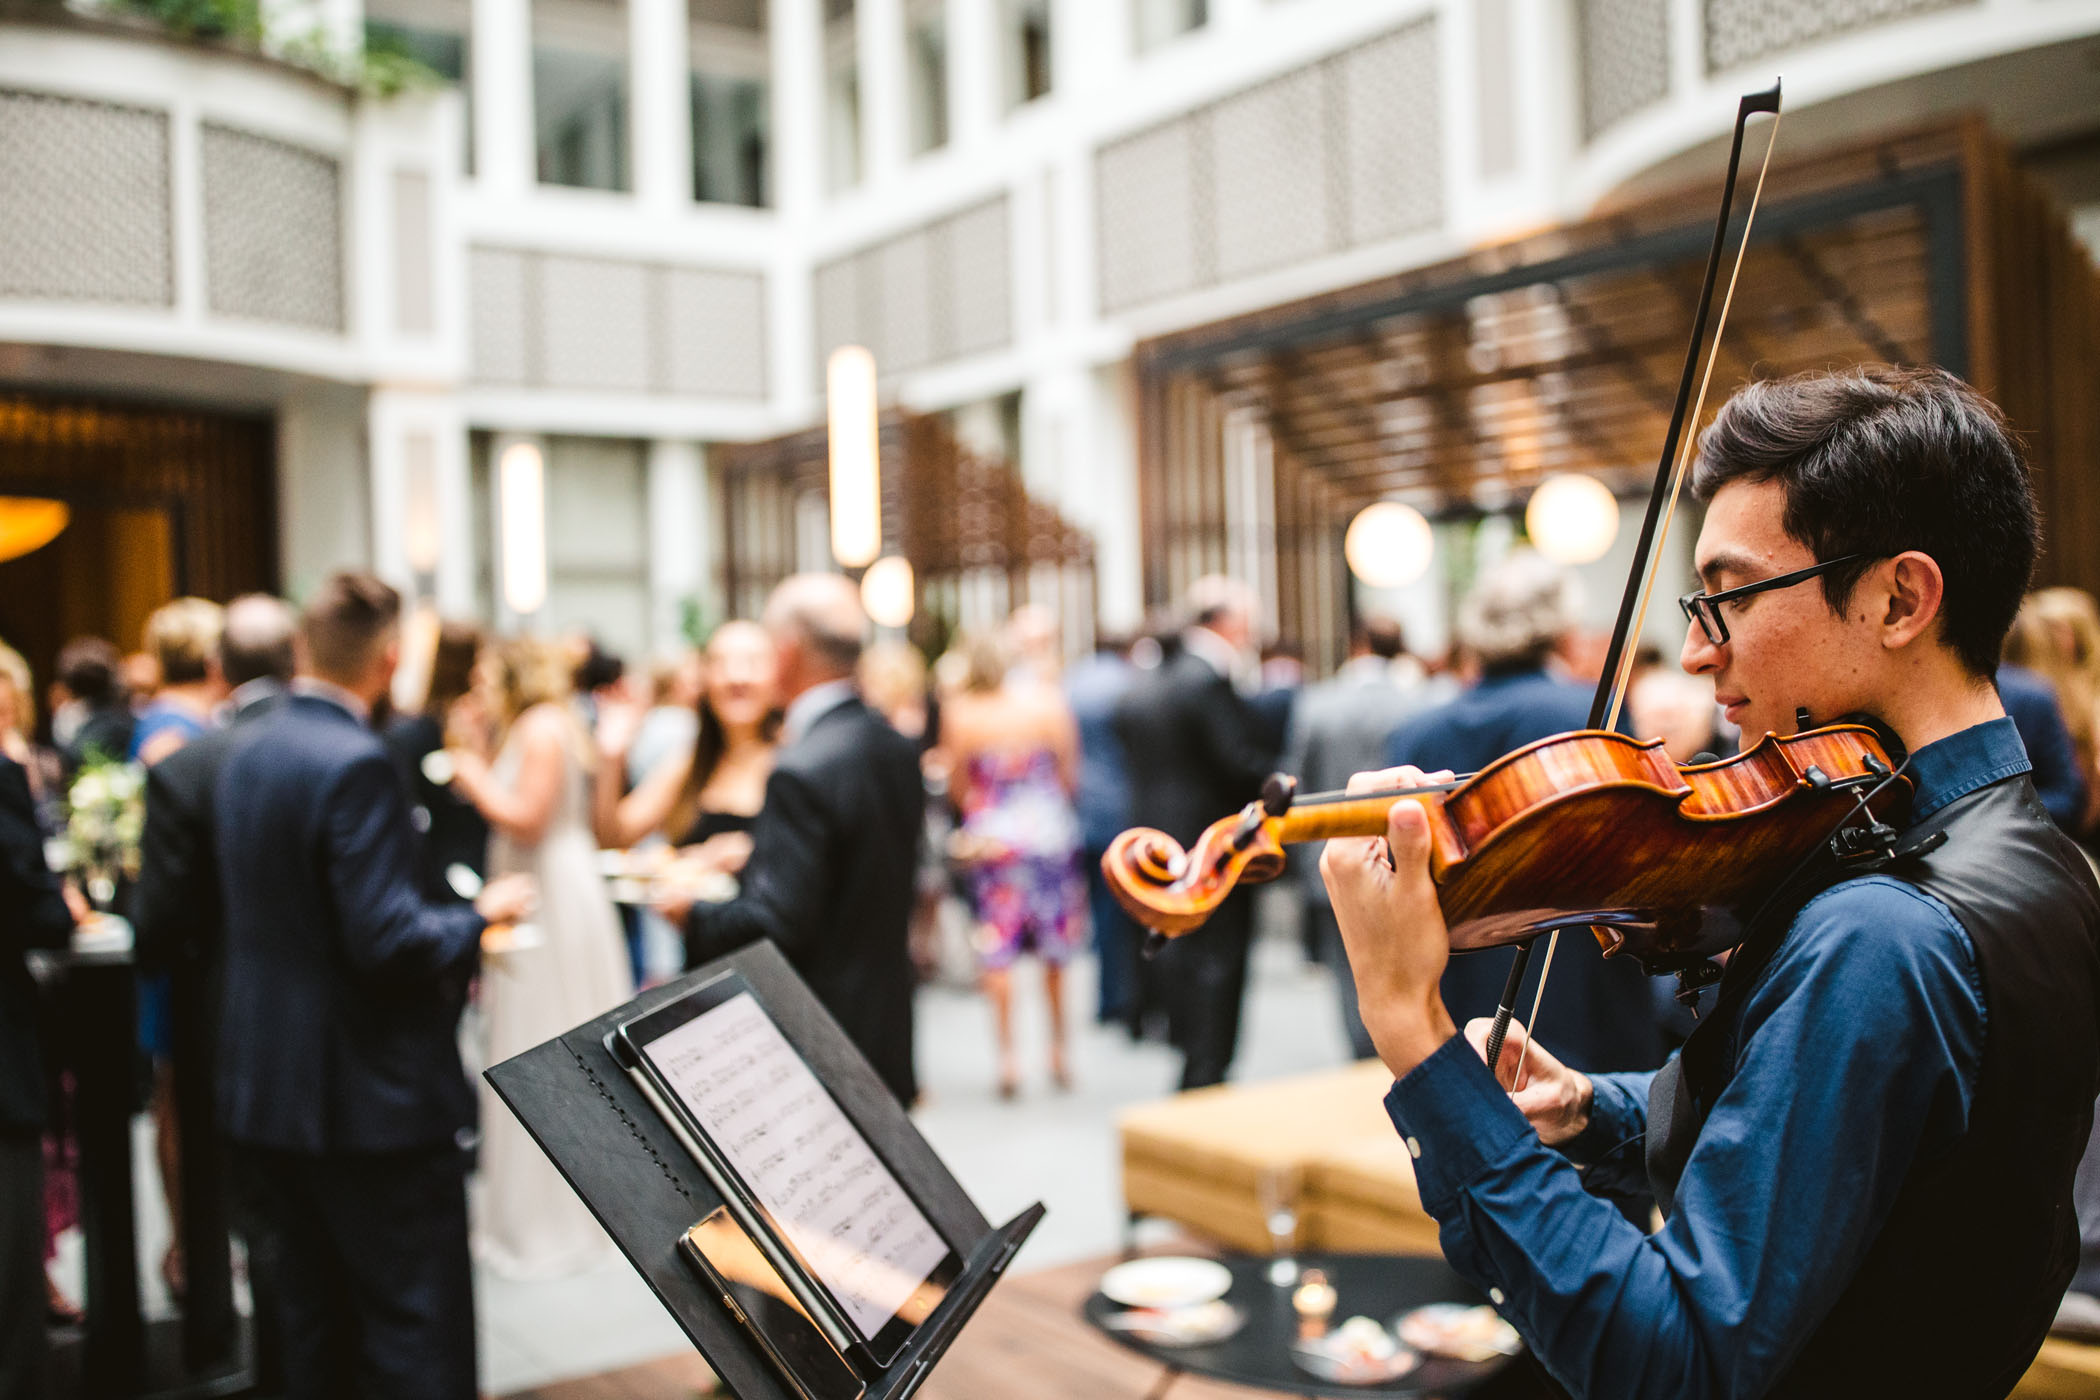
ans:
(1199, 1159)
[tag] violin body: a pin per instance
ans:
(1584, 828)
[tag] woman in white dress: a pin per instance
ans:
(536, 797)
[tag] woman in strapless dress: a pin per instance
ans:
(705, 800)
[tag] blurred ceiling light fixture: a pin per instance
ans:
(1389, 545)
(856, 469)
(1572, 518)
(28, 523)
(521, 473)
(888, 591)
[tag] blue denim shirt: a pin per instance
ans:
(1857, 1056)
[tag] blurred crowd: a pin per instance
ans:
(337, 830)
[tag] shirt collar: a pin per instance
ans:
(1962, 762)
(813, 704)
(251, 693)
(316, 688)
(1214, 651)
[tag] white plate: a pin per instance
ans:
(1179, 1327)
(1170, 1282)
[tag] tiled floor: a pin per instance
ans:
(1059, 1148)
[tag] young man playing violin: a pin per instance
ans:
(1864, 1154)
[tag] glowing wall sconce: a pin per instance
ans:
(888, 591)
(522, 488)
(856, 462)
(28, 523)
(1572, 518)
(1389, 545)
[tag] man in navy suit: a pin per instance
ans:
(339, 1080)
(33, 914)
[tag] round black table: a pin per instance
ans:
(1378, 1286)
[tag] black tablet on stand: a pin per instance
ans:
(652, 1165)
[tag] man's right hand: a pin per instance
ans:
(1553, 1098)
(507, 899)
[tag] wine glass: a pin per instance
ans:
(1277, 1194)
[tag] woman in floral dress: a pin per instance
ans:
(1013, 761)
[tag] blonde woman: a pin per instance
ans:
(183, 640)
(535, 795)
(2057, 636)
(1013, 766)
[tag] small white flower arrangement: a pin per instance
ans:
(105, 819)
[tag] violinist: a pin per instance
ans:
(1864, 1154)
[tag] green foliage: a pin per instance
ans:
(381, 69)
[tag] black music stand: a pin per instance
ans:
(630, 1169)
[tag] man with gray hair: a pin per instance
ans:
(179, 912)
(834, 855)
(1511, 626)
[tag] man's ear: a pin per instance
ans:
(1911, 597)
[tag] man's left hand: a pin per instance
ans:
(1392, 925)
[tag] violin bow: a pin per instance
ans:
(1670, 472)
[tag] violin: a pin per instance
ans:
(1588, 828)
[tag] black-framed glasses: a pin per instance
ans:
(1705, 608)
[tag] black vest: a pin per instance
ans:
(1956, 1293)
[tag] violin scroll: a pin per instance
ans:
(1172, 891)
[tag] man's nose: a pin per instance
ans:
(1699, 655)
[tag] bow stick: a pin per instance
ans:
(1670, 472)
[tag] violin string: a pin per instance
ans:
(1689, 446)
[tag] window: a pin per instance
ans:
(433, 33)
(730, 113)
(579, 92)
(841, 97)
(1027, 50)
(1159, 21)
(926, 56)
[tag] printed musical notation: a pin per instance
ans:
(840, 1208)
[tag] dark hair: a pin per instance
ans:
(91, 670)
(709, 744)
(598, 669)
(1878, 460)
(452, 666)
(1381, 636)
(346, 620)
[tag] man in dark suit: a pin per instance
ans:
(339, 1078)
(1196, 755)
(33, 914)
(176, 911)
(834, 855)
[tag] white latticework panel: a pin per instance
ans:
(1392, 143)
(1152, 199)
(1269, 158)
(1625, 58)
(980, 278)
(273, 230)
(594, 324)
(1738, 31)
(836, 292)
(498, 284)
(717, 341)
(904, 271)
(83, 201)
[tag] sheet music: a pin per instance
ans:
(776, 1124)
